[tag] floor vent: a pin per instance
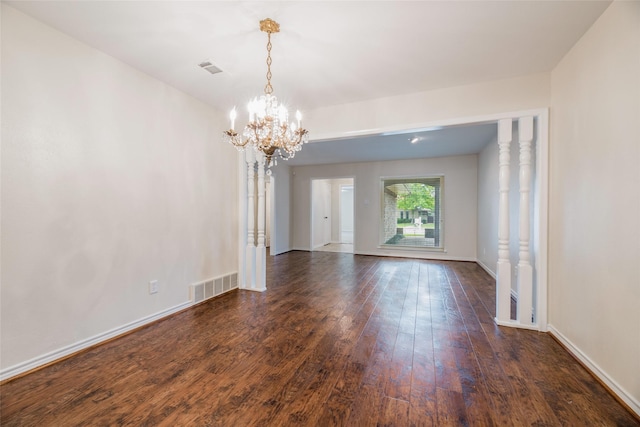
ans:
(212, 287)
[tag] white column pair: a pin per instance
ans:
(256, 255)
(525, 309)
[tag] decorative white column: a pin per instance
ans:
(503, 282)
(525, 270)
(250, 274)
(261, 250)
(242, 219)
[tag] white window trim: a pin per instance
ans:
(382, 245)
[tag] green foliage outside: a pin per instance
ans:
(410, 225)
(418, 196)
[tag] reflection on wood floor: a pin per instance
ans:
(335, 340)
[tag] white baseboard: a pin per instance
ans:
(485, 268)
(514, 294)
(417, 255)
(623, 394)
(323, 244)
(255, 289)
(516, 324)
(283, 251)
(44, 359)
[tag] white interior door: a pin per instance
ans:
(320, 212)
(346, 213)
(326, 207)
(267, 198)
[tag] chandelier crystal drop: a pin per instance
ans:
(269, 130)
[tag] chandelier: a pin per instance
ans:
(268, 130)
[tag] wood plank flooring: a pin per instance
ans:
(336, 340)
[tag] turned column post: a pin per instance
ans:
(250, 272)
(503, 277)
(261, 250)
(525, 270)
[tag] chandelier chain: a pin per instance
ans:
(268, 89)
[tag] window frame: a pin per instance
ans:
(381, 217)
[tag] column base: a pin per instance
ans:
(525, 294)
(250, 267)
(261, 269)
(503, 291)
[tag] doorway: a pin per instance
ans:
(346, 213)
(332, 215)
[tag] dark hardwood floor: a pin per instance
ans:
(336, 340)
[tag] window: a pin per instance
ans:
(412, 212)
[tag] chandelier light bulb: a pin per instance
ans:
(232, 116)
(262, 107)
(252, 109)
(282, 114)
(298, 117)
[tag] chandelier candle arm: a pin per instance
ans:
(268, 130)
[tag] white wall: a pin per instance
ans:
(460, 202)
(594, 244)
(488, 197)
(281, 209)
(437, 107)
(109, 179)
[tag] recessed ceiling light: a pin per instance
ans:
(414, 139)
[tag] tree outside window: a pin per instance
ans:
(411, 212)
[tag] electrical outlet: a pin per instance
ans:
(153, 287)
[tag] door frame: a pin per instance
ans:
(311, 218)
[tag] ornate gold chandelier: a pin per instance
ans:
(268, 130)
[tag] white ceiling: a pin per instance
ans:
(439, 142)
(328, 52)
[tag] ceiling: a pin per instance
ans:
(327, 52)
(437, 142)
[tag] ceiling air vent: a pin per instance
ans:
(206, 65)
